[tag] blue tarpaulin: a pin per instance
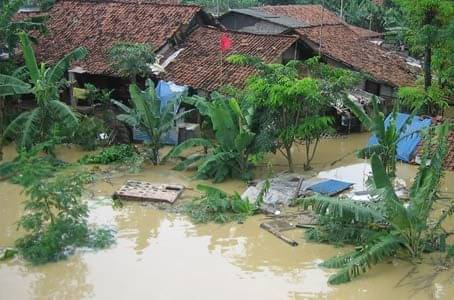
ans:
(410, 136)
(330, 187)
(166, 91)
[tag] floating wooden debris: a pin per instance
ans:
(147, 191)
(275, 231)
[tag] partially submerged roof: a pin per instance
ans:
(98, 25)
(199, 64)
(341, 44)
(273, 18)
(314, 15)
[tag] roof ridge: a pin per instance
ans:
(147, 2)
(247, 33)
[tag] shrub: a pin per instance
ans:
(55, 220)
(219, 207)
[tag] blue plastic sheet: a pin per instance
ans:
(409, 138)
(330, 187)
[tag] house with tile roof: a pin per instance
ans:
(99, 24)
(337, 42)
(199, 63)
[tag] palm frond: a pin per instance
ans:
(340, 207)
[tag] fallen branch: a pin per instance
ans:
(278, 234)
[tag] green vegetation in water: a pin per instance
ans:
(409, 227)
(31, 166)
(88, 132)
(113, 154)
(55, 221)
(219, 207)
(147, 115)
(230, 154)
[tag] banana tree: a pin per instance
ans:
(35, 125)
(408, 225)
(388, 135)
(229, 155)
(148, 116)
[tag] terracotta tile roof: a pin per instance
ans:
(341, 44)
(199, 66)
(98, 25)
(365, 33)
(314, 15)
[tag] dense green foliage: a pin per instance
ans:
(409, 227)
(364, 13)
(216, 206)
(35, 126)
(113, 154)
(295, 98)
(9, 28)
(55, 220)
(131, 59)
(148, 116)
(87, 135)
(387, 136)
(230, 154)
(428, 102)
(31, 166)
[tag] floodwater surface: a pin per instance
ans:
(162, 255)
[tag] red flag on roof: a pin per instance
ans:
(226, 42)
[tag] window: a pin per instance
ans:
(372, 87)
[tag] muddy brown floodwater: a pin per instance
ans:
(162, 255)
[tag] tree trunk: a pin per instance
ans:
(427, 67)
(289, 158)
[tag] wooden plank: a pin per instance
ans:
(278, 234)
(148, 191)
